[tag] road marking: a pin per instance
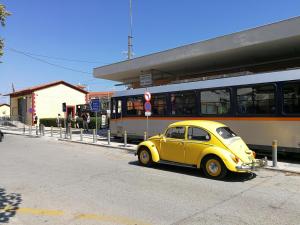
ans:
(114, 219)
(96, 217)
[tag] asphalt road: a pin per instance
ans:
(43, 181)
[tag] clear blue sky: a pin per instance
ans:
(96, 30)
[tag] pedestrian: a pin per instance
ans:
(58, 120)
(84, 121)
(88, 120)
(35, 120)
(76, 121)
(69, 123)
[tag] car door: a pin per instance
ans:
(197, 140)
(173, 144)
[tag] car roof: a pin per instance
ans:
(206, 124)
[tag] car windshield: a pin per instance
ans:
(225, 132)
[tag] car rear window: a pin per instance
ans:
(225, 132)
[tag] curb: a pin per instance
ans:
(282, 170)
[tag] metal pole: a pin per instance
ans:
(145, 136)
(71, 133)
(24, 129)
(274, 153)
(96, 123)
(51, 131)
(108, 137)
(30, 130)
(125, 138)
(94, 136)
(60, 132)
(36, 130)
(81, 134)
(65, 127)
(43, 129)
(147, 127)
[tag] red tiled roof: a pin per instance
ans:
(43, 86)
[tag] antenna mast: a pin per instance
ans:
(130, 31)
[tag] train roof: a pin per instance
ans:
(268, 43)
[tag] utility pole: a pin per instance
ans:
(130, 31)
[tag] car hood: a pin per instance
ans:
(238, 147)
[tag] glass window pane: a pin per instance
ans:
(175, 132)
(225, 132)
(215, 102)
(291, 98)
(159, 104)
(135, 106)
(198, 134)
(183, 103)
(256, 100)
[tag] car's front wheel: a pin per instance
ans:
(145, 157)
(214, 167)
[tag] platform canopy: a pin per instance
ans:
(273, 44)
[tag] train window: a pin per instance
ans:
(198, 134)
(291, 98)
(215, 102)
(175, 132)
(183, 103)
(135, 106)
(258, 99)
(159, 104)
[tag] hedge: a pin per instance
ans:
(51, 122)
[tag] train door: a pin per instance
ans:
(116, 124)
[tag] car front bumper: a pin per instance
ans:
(254, 165)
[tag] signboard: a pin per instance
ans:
(146, 80)
(30, 110)
(95, 105)
(147, 96)
(147, 106)
(147, 114)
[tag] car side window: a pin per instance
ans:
(198, 134)
(175, 132)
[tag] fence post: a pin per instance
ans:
(71, 132)
(108, 137)
(125, 138)
(24, 129)
(36, 130)
(81, 139)
(60, 132)
(51, 131)
(145, 136)
(43, 129)
(30, 130)
(274, 153)
(94, 136)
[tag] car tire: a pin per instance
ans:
(213, 167)
(145, 157)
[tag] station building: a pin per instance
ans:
(248, 80)
(45, 101)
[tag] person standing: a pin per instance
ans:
(69, 123)
(84, 121)
(76, 121)
(58, 120)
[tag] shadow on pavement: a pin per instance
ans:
(9, 204)
(231, 176)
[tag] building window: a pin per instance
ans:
(258, 99)
(175, 132)
(159, 104)
(198, 134)
(183, 104)
(215, 102)
(291, 98)
(135, 106)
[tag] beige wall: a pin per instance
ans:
(14, 108)
(4, 111)
(48, 102)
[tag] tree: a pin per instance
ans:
(3, 15)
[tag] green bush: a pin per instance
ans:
(48, 122)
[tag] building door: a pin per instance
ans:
(22, 110)
(71, 110)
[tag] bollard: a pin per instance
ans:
(71, 133)
(145, 136)
(43, 129)
(24, 129)
(30, 130)
(94, 136)
(51, 134)
(60, 132)
(274, 153)
(81, 139)
(108, 137)
(36, 130)
(125, 138)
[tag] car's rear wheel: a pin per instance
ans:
(214, 167)
(145, 157)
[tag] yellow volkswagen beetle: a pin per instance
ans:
(208, 145)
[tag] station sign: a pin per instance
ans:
(95, 105)
(146, 80)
